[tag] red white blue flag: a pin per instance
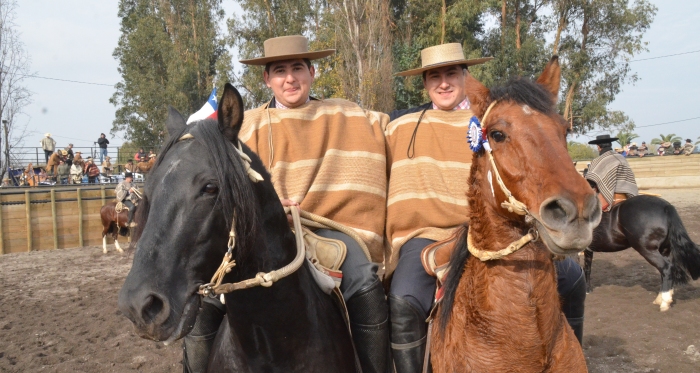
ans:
(207, 111)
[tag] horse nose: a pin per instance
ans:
(557, 212)
(591, 210)
(145, 310)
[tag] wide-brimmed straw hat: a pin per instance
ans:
(287, 48)
(47, 134)
(441, 56)
(603, 139)
(152, 156)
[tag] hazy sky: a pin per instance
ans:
(74, 40)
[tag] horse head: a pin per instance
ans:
(186, 215)
(527, 139)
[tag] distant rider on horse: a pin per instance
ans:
(610, 174)
(127, 193)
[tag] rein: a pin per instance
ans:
(215, 286)
(512, 205)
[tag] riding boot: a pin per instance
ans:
(198, 343)
(573, 305)
(369, 324)
(408, 335)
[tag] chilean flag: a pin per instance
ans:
(207, 111)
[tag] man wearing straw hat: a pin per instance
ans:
(426, 202)
(328, 158)
(48, 144)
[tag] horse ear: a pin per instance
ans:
(551, 77)
(175, 122)
(478, 95)
(230, 113)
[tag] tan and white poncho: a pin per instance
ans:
(427, 194)
(329, 156)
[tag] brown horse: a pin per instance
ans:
(144, 167)
(504, 315)
(113, 223)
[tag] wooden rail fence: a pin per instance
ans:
(56, 218)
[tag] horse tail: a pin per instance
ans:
(456, 267)
(685, 254)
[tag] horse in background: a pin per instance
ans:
(504, 315)
(651, 226)
(114, 224)
(144, 167)
(187, 217)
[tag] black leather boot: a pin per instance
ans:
(573, 305)
(198, 343)
(408, 335)
(369, 324)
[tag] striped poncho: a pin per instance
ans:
(427, 194)
(329, 156)
(612, 174)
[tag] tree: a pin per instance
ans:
(580, 152)
(170, 53)
(666, 138)
(624, 138)
(14, 68)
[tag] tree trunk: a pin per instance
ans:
(444, 15)
(568, 111)
(503, 24)
(517, 36)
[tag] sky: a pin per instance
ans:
(74, 40)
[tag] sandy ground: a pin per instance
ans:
(58, 313)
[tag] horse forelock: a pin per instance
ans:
(236, 196)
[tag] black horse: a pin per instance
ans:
(187, 210)
(651, 226)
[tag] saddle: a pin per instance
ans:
(121, 207)
(436, 257)
(325, 254)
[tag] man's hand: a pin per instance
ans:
(131, 190)
(289, 203)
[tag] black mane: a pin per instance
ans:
(236, 196)
(525, 92)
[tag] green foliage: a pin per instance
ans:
(666, 138)
(580, 152)
(169, 53)
(625, 138)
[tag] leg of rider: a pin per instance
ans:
(367, 308)
(410, 299)
(571, 284)
(198, 343)
(130, 213)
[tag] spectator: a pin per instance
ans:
(76, 172)
(633, 150)
(151, 154)
(642, 150)
(49, 145)
(102, 143)
(63, 172)
(663, 147)
(129, 166)
(688, 147)
(140, 156)
(70, 155)
(91, 170)
(5, 182)
(53, 162)
(107, 166)
(78, 157)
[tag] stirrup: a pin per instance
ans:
(133, 224)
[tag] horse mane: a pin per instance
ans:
(236, 195)
(524, 91)
(521, 91)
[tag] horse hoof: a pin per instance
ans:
(664, 307)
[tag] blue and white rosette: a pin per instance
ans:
(475, 136)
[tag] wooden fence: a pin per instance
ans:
(55, 218)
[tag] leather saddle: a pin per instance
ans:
(436, 257)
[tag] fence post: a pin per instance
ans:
(37, 156)
(80, 217)
(27, 203)
(104, 196)
(2, 241)
(53, 218)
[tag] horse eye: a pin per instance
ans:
(210, 189)
(498, 136)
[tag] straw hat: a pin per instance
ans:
(47, 134)
(287, 48)
(152, 156)
(443, 55)
(64, 152)
(633, 144)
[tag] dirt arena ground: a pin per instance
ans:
(58, 313)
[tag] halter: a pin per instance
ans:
(512, 205)
(215, 286)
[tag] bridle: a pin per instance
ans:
(215, 287)
(512, 205)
